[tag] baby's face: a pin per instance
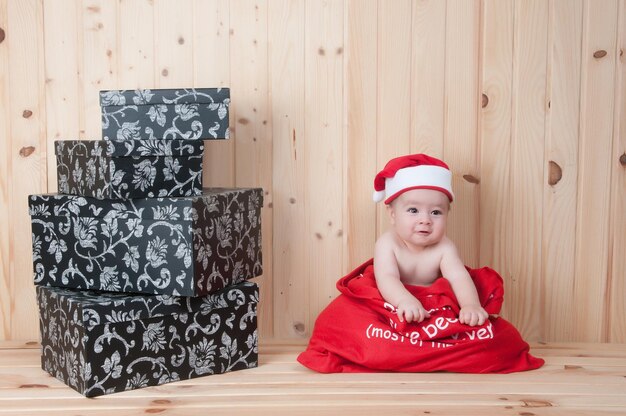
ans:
(419, 217)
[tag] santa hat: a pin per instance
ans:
(417, 171)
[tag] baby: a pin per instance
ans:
(417, 190)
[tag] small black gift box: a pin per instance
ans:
(190, 114)
(186, 246)
(100, 343)
(131, 169)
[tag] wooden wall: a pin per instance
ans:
(525, 100)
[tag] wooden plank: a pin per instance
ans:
(271, 373)
(595, 346)
(173, 38)
(526, 184)
(617, 272)
(495, 140)
(6, 190)
(266, 375)
(182, 399)
(361, 97)
(186, 393)
(135, 44)
(393, 127)
(561, 173)
(211, 68)
(597, 112)
(251, 119)
(28, 153)
(99, 61)
(427, 83)
(10, 358)
(19, 344)
(323, 149)
(286, 69)
(61, 57)
(317, 409)
(461, 152)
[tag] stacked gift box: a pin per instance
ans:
(141, 273)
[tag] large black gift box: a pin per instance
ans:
(190, 114)
(130, 169)
(186, 246)
(100, 342)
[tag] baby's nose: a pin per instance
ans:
(424, 219)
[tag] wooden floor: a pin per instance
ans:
(578, 379)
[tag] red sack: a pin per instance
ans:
(360, 332)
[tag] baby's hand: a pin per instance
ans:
(411, 310)
(473, 315)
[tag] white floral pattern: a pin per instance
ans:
(191, 114)
(187, 246)
(130, 169)
(101, 343)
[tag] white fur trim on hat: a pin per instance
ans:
(425, 176)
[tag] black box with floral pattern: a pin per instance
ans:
(187, 113)
(184, 246)
(132, 169)
(100, 343)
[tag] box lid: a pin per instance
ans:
(93, 308)
(164, 96)
(142, 147)
(212, 202)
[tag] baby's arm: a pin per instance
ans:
(390, 286)
(452, 268)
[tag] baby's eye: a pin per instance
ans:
(436, 212)
(412, 210)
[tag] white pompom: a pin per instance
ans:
(378, 196)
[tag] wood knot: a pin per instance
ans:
(471, 179)
(2, 35)
(181, 40)
(599, 54)
(622, 160)
(161, 401)
(27, 151)
(165, 72)
(485, 100)
(536, 403)
(321, 51)
(571, 367)
(34, 386)
(555, 173)
(243, 121)
(155, 410)
(27, 113)
(298, 327)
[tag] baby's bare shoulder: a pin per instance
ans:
(386, 240)
(448, 250)
(447, 244)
